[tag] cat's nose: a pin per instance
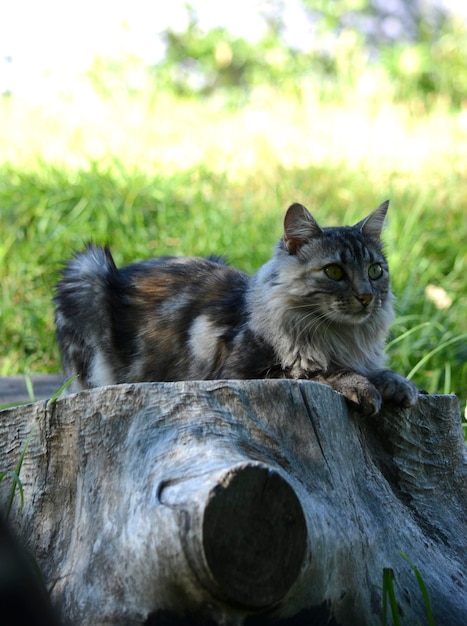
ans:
(364, 298)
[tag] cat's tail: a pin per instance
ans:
(83, 318)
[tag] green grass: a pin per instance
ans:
(159, 176)
(390, 605)
(16, 481)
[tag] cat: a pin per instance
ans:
(320, 309)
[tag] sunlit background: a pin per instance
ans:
(72, 71)
(187, 128)
(46, 46)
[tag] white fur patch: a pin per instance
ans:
(101, 373)
(204, 336)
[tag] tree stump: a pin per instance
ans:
(240, 502)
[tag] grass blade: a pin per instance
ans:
(438, 348)
(389, 594)
(29, 387)
(16, 479)
(405, 334)
(423, 589)
(16, 483)
(59, 391)
(426, 597)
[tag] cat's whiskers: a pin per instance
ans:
(324, 320)
(331, 319)
(322, 323)
(303, 326)
(301, 321)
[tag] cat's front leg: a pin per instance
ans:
(357, 389)
(394, 388)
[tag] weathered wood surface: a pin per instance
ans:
(240, 502)
(13, 389)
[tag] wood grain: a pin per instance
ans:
(187, 499)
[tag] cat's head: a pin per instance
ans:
(341, 273)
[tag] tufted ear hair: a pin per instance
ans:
(299, 227)
(372, 226)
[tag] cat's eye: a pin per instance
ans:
(333, 271)
(375, 271)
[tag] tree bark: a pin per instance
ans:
(240, 502)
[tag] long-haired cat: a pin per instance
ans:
(319, 309)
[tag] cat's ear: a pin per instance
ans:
(372, 226)
(299, 227)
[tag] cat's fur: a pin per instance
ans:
(313, 311)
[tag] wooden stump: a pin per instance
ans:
(240, 502)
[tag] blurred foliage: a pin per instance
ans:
(431, 68)
(200, 63)
(420, 50)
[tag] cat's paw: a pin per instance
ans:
(357, 390)
(364, 396)
(395, 388)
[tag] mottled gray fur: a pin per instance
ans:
(320, 309)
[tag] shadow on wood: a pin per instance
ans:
(23, 596)
(240, 502)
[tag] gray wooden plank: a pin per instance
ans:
(13, 389)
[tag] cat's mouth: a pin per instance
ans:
(362, 315)
(354, 316)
